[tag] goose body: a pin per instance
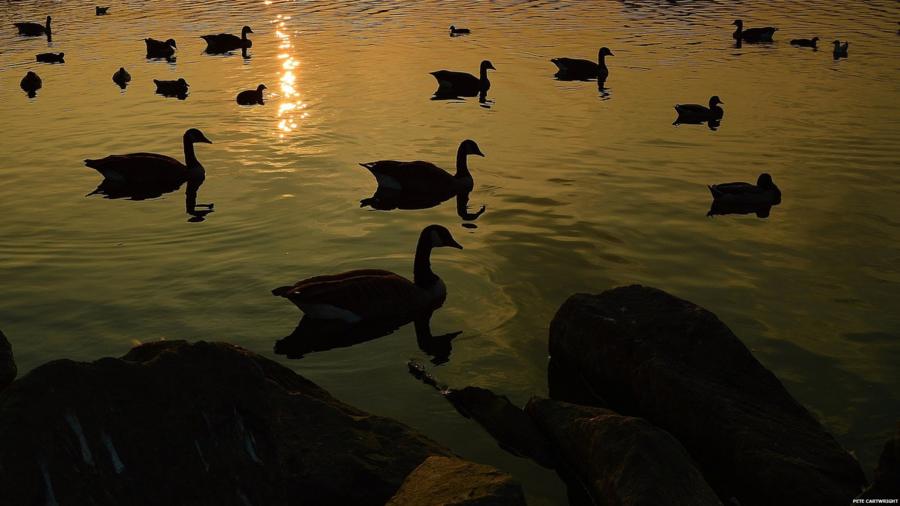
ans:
(50, 58)
(121, 77)
(572, 68)
(462, 84)
(696, 113)
(840, 50)
(152, 168)
(813, 42)
(225, 42)
(160, 49)
(31, 83)
(101, 11)
(763, 193)
(34, 29)
(177, 88)
(424, 179)
(372, 294)
(459, 31)
(753, 34)
(251, 97)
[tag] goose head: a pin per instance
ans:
(738, 23)
(452, 28)
(714, 101)
(486, 64)
(837, 44)
(764, 181)
(469, 147)
(183, 83)
(604, 51)
(438, 236)
(814, 40)
(171, 42)
(193, 135)
(260, 88)
(245, 30)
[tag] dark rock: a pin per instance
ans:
(510, 426)
(451, 481)
(649, 354)
(886, 484)
(178, 423)
(7, 364)
(621, 460)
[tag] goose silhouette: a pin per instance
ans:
(30, 29)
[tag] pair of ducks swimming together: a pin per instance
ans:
(215, 44)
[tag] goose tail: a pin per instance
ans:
(714, 191)
(369, 165)
(281, 291)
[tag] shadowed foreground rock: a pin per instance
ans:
(621, 460)
(199, 424)
(886, 484)
(7, 364)
(649, 354)
(450, 481)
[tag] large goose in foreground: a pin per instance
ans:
(575, 69)
(152, 168)
(752, 34)
(375, 295)
(34, 29)
(225, 42)
(425, 178)
(461, 84)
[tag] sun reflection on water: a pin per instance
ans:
(290, 110)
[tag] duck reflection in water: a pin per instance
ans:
(352, 307)
(141, 176)
(422, 185)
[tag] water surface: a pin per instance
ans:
(584, 190)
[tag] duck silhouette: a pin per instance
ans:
(454, 31)
(225, 42)
(101, 11)
(745, 198)
(460, 84)
(813, 42)
(30, 84)
(121, 77)
(696, 113)
(840, 50)
(50, 58)
(752, 34)
(572, 69)
(161, 49)
(177, 89)
(30, 29)
(251, 97)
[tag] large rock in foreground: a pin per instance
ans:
(886, 484)
(621, 460)
(199, 424)
(444, 481)
(649, 354)
(7, 364)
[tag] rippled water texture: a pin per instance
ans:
(584, 191)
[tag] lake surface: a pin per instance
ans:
(584, 190)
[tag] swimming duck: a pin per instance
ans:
(752, 34)
(30, 84)
(34, 29)
(51, 58)
(425, 178)
(805, 42)
(224, 42)
(763, 193)
(160, 49)
(177, 88)
(370, 294)
(840, 50)
(461, 83)
(459, 31)
(696, 113)
(101, 11)
(122, 77)
(152, 168)
(571, 68)
(252, 97)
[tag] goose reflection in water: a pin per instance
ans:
(313, 335)
(387, 199)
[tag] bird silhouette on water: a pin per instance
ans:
(573, 69)
(51, 58)
(745, 198)
(453, 84)
(251, 97)
(161, 49)
(226, 42)
(31, 83)
(30, 29)
(121, 77)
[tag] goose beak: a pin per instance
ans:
(478, 152)
(204, 140)
(453, 244)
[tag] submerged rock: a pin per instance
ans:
(451, 481)
(7, 364)
(514, 430)
(649, 354)
(203, 423)
(886, 484)
(621, 460)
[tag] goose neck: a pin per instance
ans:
(422, 274)
(190, 159)
(462, 166)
